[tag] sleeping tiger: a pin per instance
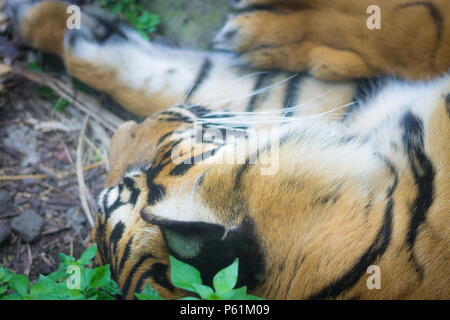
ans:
(310, 183)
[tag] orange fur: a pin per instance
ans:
(412, 42)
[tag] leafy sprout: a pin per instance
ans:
(75, 280)
(186, 277)
(143, 20)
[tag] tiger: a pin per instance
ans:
(310, 183)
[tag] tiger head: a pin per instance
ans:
(164, 197)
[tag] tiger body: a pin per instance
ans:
(309, 183)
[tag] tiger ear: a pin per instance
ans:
(210, 248)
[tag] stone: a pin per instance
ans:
(23, 139)
(5, 232)
(189, 23)
(5, 200)
(28, 225)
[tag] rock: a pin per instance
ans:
(5, 232)
(189, 23)
(5, 200)
(23, 139)
(28, 225)
(76, 216)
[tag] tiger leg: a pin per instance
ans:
(143, 77)
(321, 61)
(386, 47)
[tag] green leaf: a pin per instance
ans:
(5, 274)
(46, 93)
(33, 66)
(47, 289)
(204, 292)
(3, 289)
(60, 105)
(112, 288)
(20, 284)
(14, 296)
(189, 298)
(104, 296)
(65, 259)
(183, 276)
(225, 280)
(88, 255)
(100, 277)
(59, 274)
(148, 294)
(235, 294)
(251, 297)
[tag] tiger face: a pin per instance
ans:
(208, 213)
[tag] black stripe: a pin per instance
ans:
(116, 204)
(158, 272)
(292, 92)
(376, 250)
(201, 77)
(115, 237)
(117, 234)
(447, 102)
(155, 193)
(134, 269)
(423, 174)
(135, 192)
(124, 259)
(163, 137)
(182, 168)
(199, 111)
(365, 88)
(260, 83)
(174, 116)
(100, 230)
(434, 12)
(181, 119)
(105, 202)
(240, 173)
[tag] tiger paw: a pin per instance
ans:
(260, 29)
(41, 24)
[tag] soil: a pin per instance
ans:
(27, 150)
(37, 164)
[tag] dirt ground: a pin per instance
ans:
(39, 138)
(38, 152)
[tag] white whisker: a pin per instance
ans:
(254, 92)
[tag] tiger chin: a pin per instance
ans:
(360, 181)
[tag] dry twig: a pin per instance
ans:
(83, 191)
(55, 174)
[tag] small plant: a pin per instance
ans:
(94, 284)
(186, 277)
(74, 280)
(143, 20)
